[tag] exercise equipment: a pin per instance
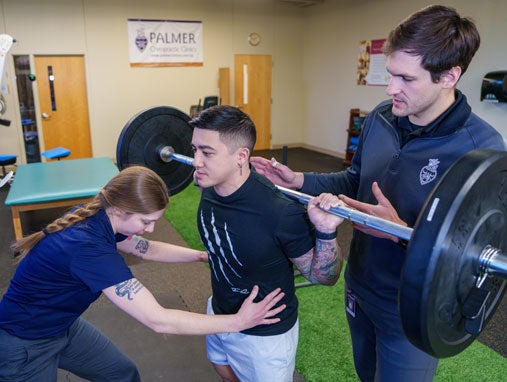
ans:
(6, 179)
(6, 42)
(6, 160)
(150, 137)
(56, 153)
(455, 272)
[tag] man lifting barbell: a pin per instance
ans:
(405, 147)
(253, 233)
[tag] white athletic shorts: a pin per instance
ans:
(255, 358)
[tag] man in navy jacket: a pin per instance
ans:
(406, 145)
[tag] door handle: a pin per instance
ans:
(45, 115)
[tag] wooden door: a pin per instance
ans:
(224, 85)
(63, 104)
(252, 93)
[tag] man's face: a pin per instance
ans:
(413, 92)
(214, 165)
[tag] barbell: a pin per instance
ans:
(455, 273)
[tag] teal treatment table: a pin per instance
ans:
(38, 186)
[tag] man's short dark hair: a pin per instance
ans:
(439, 35)
(234, 127)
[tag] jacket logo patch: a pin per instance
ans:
(429, 172)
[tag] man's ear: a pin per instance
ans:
(244, 155)
(450, 78)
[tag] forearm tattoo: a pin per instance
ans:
(142, 246)
(128, 288)
(326, 264)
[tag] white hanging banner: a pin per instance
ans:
(165, 43)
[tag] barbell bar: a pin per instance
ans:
(492, 261)
(167, 154)
(455, 270)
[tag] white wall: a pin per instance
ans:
(333, 32)
(48, 27)
(116, 91)
(314, 54)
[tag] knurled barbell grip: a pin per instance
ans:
(383, 225)
(359, 217)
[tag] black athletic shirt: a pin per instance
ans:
(250, 236)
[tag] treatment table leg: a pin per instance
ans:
(16, 220)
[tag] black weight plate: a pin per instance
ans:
(465, 212)
(145, 134)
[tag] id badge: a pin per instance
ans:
(350, 303)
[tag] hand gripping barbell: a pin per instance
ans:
(454, 275)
